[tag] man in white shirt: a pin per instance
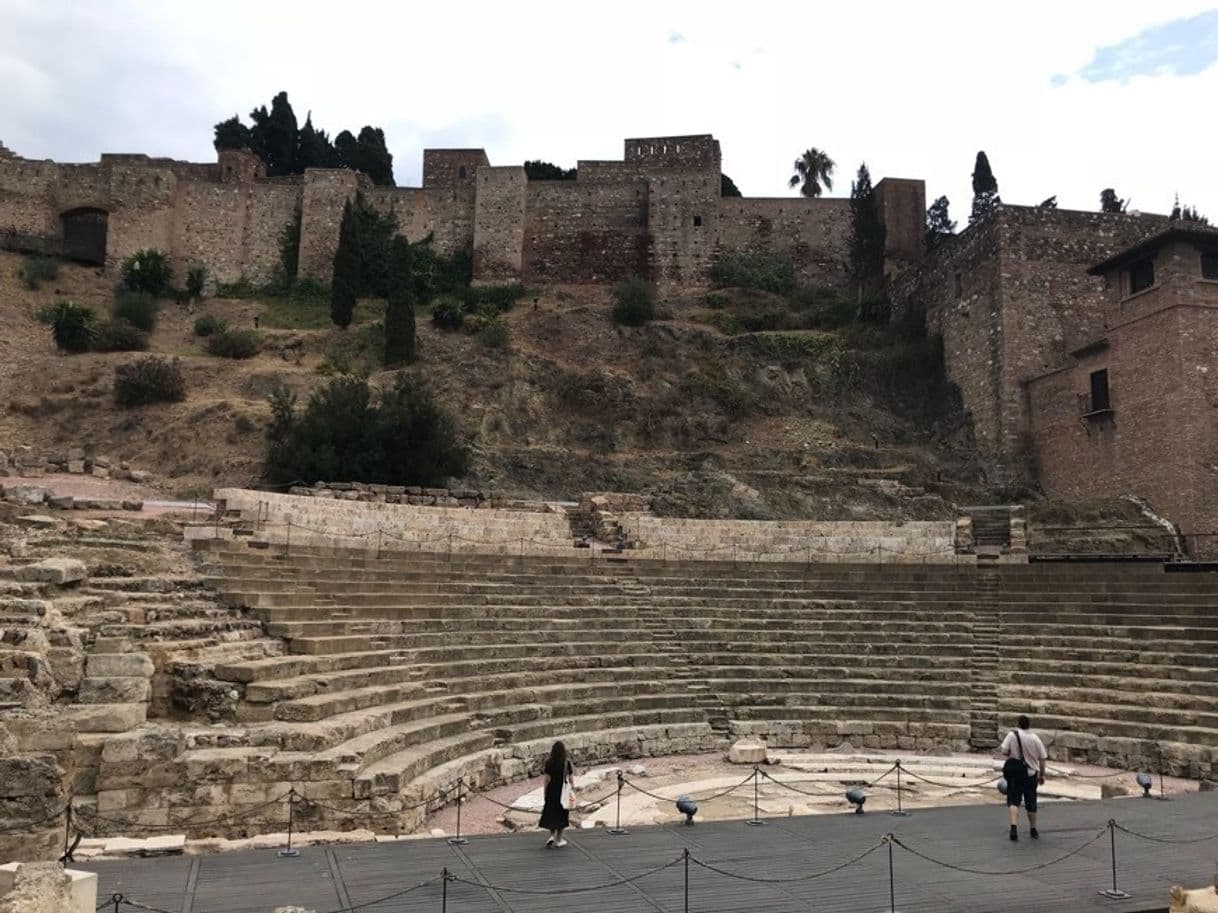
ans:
(1025, 745)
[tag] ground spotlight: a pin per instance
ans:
(687, 807)
(1002, 786)
(856, 797)
(1144, 781)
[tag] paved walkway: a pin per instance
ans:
(966, 864)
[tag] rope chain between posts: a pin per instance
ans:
(575, 890)
(1032, 868)
(807, 877)
(966, 785)
(719, 795)
(785, 784)
(1169, 840)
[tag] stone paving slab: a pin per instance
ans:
(514, 874)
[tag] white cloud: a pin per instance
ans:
(914, 89)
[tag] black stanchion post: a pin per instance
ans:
(459, 840)
(287, 545)
(617, 830)
(288, 852)
(444, 891)
(1114, 893)
(900, 811)
(117, 900)
(450, 547)
(755, 821)
(1162, 797)
(379, 533)
(686, 854)
(892, 878)
(67, 835)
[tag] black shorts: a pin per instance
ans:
(1022, 790)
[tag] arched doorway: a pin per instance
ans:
(84, 235)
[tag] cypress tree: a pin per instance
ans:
(985, 189)
(1110, 202)
(344, 287)
(399, 311)
(867, 236)
(939, 224)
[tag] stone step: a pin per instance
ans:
(389, 776)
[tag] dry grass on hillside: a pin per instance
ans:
(712, 424)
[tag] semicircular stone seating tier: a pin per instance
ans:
(411, 670)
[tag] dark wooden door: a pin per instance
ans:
(84, 235)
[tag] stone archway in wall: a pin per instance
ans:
(84, 234)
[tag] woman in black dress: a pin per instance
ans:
(554, 817)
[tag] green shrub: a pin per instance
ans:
(447, 313)
(494, 334)
(234, 343)
(196, 278)
(825, 307)
(149, 380)
(717, 299)
(72, 326)
(242, 288)
(309, 289)
(634, 302)
(210, 325)
(137, 308)
(119, 335)
(501, 297)
(765, 272)
(348, 431)
(146, 271)
(38, 269)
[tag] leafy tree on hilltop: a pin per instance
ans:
(939, 224)
(345, 284)
(985, 189)
(537, 170)
(867, 236)
(273, 136)
(727, 187)
(286, 149)
(812, 169)
(399, 310)
(1110, 202)
(1186, 214)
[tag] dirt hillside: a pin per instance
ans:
(710, 424)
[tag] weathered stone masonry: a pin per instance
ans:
(657, 213)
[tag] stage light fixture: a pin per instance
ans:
(1144, 781)
(687, 807)
(856, 797)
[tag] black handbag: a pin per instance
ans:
(1015, 768)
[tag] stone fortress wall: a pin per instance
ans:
(657, 213)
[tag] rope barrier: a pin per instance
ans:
(711, 798)
(967, 785)
(501, 889)
(808, 877)
(1033, 868)
(787, 784)
(1168, 840)
(381, 900)
(223, 819)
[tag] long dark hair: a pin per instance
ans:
(556, 763)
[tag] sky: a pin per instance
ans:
(1066, 98)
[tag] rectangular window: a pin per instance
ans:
(1209, 264)
(697, 221)
(1099, 391)
(959, 285)
(1141, 276)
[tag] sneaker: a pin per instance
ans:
(1014, 833)
(561, 843)
(549, 843)
(1035, 834)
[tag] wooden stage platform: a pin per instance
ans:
(966, 864)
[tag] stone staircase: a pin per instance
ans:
(394, 676)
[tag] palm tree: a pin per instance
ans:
(812, 169)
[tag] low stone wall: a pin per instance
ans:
(372, 493)
(37, 496)
(790, 540)
(383, 525)
(32, 464)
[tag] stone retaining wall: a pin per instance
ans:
(26, 462)
(373, 493)
(790, 540)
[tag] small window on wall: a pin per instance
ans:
(958, 284)
(1099, 391)
(1141, 276)
(1209, 264)
(697, 221)
(461, 173)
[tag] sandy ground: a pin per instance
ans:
(83, 486)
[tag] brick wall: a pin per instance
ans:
(325, 193)
(585, 230)
(499, 216)
(813, 233)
